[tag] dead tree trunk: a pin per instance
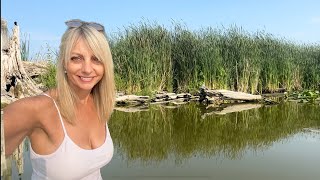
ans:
(15, 83)
(4, 35)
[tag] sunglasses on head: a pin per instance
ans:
(74, 23)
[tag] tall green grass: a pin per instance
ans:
(149, 57)
(25, 47)
(142, 59)
(48, 79)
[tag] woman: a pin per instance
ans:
(67, 125)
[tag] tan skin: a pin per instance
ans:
(37, 117)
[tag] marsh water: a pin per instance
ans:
(192, 142)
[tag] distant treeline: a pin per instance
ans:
(149, 57)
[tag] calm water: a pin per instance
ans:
(191, 142)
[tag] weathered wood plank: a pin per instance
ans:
(235, 95)
(132, 98)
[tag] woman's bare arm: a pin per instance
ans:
(20, 118)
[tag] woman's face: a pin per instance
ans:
(84, 70)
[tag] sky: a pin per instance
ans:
(43, 21)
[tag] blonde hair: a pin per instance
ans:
(104, 91)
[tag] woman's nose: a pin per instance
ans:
(87, 67)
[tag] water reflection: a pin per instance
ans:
(160, 133)
(262, 143)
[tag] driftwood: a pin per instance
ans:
(172, 100)
(15, 82)
(164, 96)
(233, 95)
(4, 35)
(18, 157)
(7, 173)
(158, 99)
(132, 100)
(168, 100)
(35, 69)
(3, 157)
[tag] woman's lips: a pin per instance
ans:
(86, 79)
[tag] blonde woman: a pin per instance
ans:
(67, 125)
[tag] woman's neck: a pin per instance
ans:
(84, 98)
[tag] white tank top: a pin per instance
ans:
(71, 162)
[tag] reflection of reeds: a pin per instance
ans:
(149, 131)
(160, 134)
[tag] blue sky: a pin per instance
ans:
(296, 20)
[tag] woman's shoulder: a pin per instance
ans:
(29, 110)
(33, 104)
(44, 100)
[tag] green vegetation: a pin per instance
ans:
(47, 53)
(49, 78)
(24, 46)
(149, 58)
(142, 58)
(305, 96)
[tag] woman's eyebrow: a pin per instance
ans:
(75, 53)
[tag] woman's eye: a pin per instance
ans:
(96, 60)
(75, 58)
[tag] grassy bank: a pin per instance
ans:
(150, 57)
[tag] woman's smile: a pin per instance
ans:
(86, 79)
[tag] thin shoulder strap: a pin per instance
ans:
(107, 129)
(55, 104)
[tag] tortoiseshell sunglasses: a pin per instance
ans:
(74, 23)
